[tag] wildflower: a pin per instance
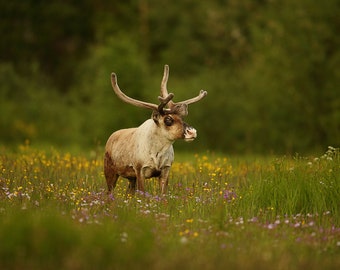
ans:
(229, 195)
(183, 240)
(123, 237)
(271, 226)
(253, 219)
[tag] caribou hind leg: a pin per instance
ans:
(109, 172)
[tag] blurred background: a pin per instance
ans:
(271, 69)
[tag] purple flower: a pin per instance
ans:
(229, 195)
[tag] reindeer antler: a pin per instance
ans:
(164, 89)
(180, 108)
(139, 103)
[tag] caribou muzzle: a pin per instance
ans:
(190, 134)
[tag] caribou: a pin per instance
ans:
(147, 151)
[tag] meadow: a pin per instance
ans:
(220, 212)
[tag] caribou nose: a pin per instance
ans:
(190, 134)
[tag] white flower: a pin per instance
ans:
(183, 240)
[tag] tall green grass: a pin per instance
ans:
(220, 213)
(288, 186)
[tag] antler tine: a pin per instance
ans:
(201, 95)
(130, 100)
(164, 90)
(181, 108)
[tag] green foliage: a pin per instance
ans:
(31, 108)
(44, 236)
(304, 185)
(52, 34)
(271, 69)
(98, 107)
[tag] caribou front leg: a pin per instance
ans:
(140, 180)
(163, 180)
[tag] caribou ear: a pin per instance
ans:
(180, 109)
(155, 117)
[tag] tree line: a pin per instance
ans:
(271, 69)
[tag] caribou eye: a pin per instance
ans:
(168, 120)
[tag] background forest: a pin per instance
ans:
(271, 69)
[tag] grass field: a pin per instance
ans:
(220, 213)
